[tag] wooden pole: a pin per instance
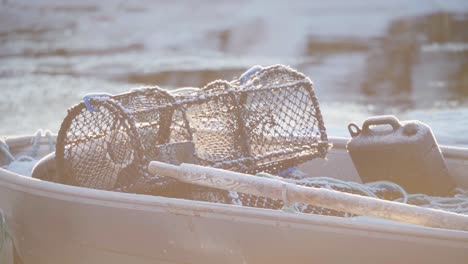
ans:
(340, 201)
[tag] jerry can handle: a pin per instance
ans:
(354, 130)
(381, 120)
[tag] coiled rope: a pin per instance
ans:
(5, 150)
(458, 203)
(23, 164)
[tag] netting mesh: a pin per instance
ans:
(98, 147)
(264, 123)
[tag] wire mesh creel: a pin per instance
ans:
(267, 121)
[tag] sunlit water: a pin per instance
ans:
(407, 58)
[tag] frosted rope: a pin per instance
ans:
(456, 204)
(50, 140)
(404, 199)
(246, 75)
(351, 185)
(36, 144)
(88, 97)
(6, 151)
(184, 90)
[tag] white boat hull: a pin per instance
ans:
(54, 223)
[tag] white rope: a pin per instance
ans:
(36, 143)
(456, 204)
(5, 150)
(404, 194)
(184, 90)
(51, 140)
(23, 164)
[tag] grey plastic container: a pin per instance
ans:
(405, 153)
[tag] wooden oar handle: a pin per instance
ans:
(340, 201)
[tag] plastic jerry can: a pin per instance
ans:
(405, 153)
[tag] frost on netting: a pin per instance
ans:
(266, 121)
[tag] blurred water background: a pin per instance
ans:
(370, 57)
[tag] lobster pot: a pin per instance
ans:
(266, 122)
(105, 141)
(405, 153)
